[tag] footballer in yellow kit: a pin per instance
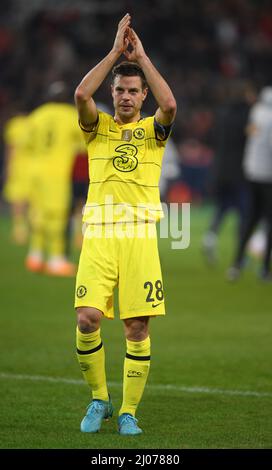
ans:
(55, 139)
(119, 248)
(124, 170)
(17, 185)
(18, 171)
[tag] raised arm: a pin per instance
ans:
(161, 91)
(91, 82)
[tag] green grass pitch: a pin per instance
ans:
(210, 384)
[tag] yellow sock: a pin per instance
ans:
(91, 358)
(136, 368)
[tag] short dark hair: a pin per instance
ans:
(129, 69)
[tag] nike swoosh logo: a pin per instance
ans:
(156, 305)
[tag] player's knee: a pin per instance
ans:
(88, 319)
(136, 329)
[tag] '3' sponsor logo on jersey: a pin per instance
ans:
(126, 160)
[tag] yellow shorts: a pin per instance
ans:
(126, 258)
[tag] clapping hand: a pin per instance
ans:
(137, 51)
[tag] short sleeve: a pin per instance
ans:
(89, 134)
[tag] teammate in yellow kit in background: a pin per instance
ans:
(17, 173)
(125, 155)
(55, 140)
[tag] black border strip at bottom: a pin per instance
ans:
(138, 458)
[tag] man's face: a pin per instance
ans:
(128, 97)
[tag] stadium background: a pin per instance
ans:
(216, 373)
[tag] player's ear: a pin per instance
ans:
(145, 91)
(112, 88)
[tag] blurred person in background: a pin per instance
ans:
(258, 172)
(17, 175)
(230, 187)
(55, 140)
(257, 242)
(195, 158)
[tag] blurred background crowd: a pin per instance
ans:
(216, 56)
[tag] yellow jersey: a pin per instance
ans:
(55, 138)
(16, 139)
(124, 171)
(19, 158)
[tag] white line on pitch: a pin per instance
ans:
(163, 387)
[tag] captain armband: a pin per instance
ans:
(162, 132)
(90, 127)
